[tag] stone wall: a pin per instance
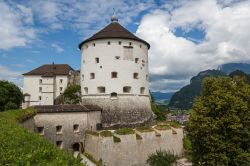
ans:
(125, 111)
(67, 120)
(131, 151)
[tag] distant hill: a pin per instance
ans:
(230, 67)
(162, 98)
(183, 99)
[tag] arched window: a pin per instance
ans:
(113, 95)
(101, 89)
(86, 90)
(126, 89)
(142, 90)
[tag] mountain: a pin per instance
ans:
(183, 99)
(230, 67)
(162, 98)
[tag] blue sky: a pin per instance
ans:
(185, 36)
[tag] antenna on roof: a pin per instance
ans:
(114, 18)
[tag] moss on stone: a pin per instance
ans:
(94, 133)
(162, 127)
(144, 129)
(106, 133)
(124, 131)
(138, 137)
(116, 139)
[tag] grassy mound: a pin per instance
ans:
(18, 146)
(124, 131)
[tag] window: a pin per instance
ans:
(130, 43)
(140, 45)
(61, 81)
(101, 89)
(61, 89)
(126, 89)
(128, 53)
(86, 46)
(58, 129)
(113, 95)
(136, 60)
(92, 75)
(40, 130)
(83, 77)
(147, 77)
(40, 81)
(113, 74)
(136, 75)
(93, 44)
(40, 89)
(120, 42)
(108, 42)
(76, 128)
(96, 60)
(59, 144)
(86, 90)
(142, 90)
(39, 97)
(117, 57)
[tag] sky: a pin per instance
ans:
(186, 37)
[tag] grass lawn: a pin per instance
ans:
(18, 146)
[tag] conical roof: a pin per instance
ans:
(113, 30)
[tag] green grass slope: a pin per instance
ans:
(18, 146)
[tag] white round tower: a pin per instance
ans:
(114, 76)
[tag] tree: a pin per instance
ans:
(162, 158)
(10, 96)
(72, 94)
(219, 126)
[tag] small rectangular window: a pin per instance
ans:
(61, 81)
(59, 144)
(120, 42)
(101, 89)
(108, 42)
(61, 89)
(40, 89)
(136, 75)
(83, 77)
(76, 128)
(93, 44)
(58, 129)
(40, 130)
(40, 81)
(113, 74)
(142, 90)
(126, 89)
(117, 57)
(130, 43)
(136, 60)
(96, 60)
(92, 75)
(39, 97)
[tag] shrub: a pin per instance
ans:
(124, 131)
(144, 129)
(162, 158)
(158, 112)
(10, 96)
(106, 133)
(162, 127)
(188, 148)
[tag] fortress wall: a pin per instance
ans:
(126, 110)
(131, 151)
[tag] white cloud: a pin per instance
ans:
(58, 48)
(227, 33)
(15, 29)
(10, 75)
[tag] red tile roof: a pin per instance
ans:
(113, 30)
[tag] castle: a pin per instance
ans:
(115, 93)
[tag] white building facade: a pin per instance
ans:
(42, 85)
(114, 76)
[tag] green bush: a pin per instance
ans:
(124, 131)
(72, 95)
(18, 146)
(106, 133)
(188, 148)
(162, 158)
(10, 96)
(160, 116)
